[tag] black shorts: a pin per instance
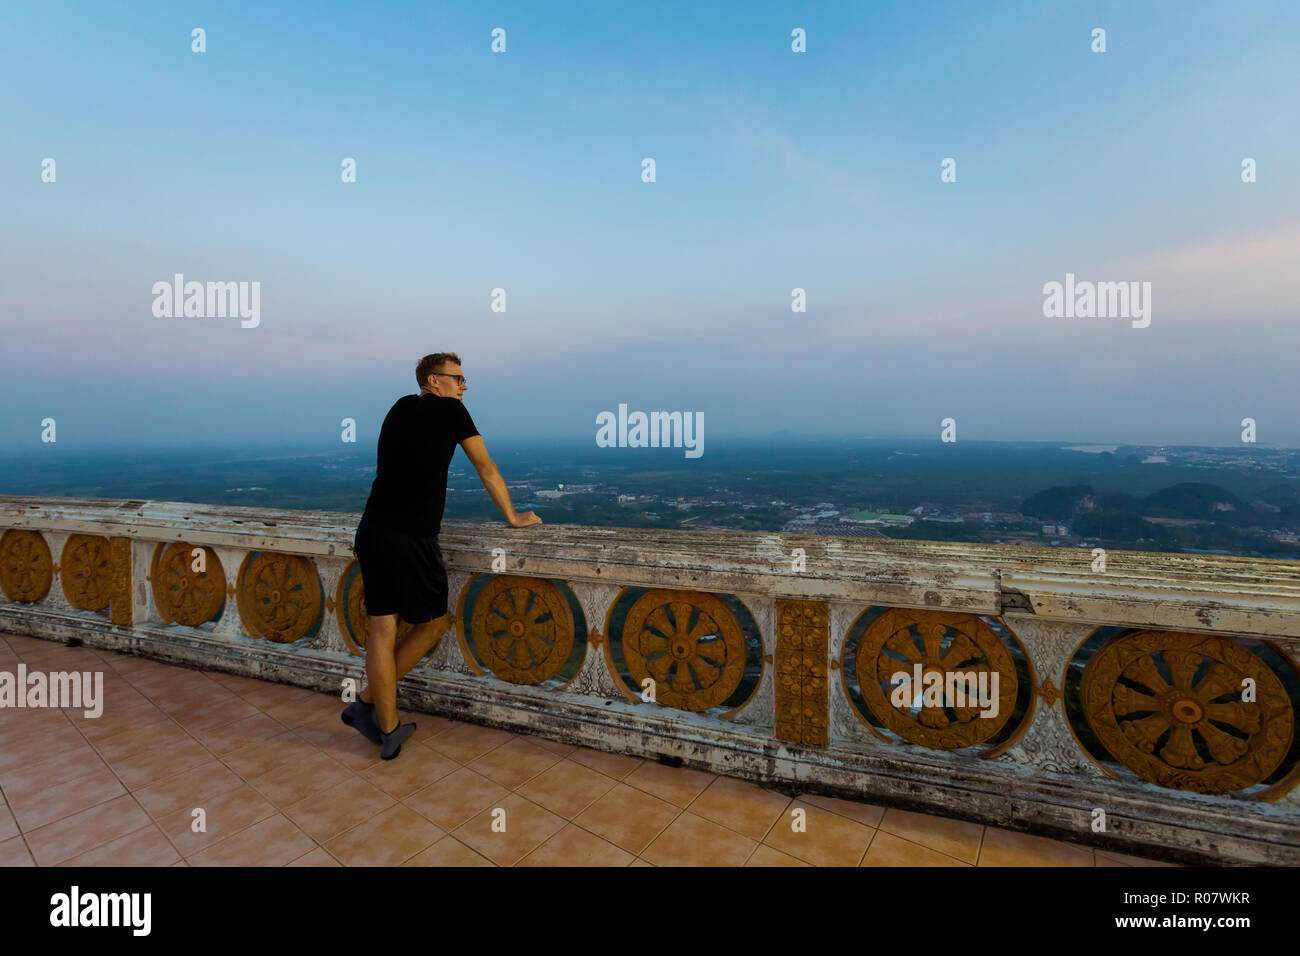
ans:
(402, 573)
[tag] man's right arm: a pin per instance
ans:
(477, 453)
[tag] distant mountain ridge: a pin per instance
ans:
(1191, 501)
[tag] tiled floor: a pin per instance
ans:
(279, 780)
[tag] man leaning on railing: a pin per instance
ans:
(396, 541)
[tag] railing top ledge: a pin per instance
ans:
(974, 577)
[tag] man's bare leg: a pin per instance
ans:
(381, 669)
(408, 652)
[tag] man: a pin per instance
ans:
(396, 542)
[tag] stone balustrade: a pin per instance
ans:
(1149, 706)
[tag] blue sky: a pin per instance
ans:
(775, 170)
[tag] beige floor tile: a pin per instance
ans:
(827, 839)
(298, 714)
(271, 695)
(325, 815)
(567, 788)
(41, 746)
(386, 839)
(428, 726)
(235, 682)
(21, 723)
(415, 768)
(639, 862)
(349, 748)
(767, 856)
(554, 746)
(210, 703)
(38, 775)
(691, 840)
(13, 852)
(150, 766)
(33, 810)
(677, 785)
(154, 735)
(317, 857)
(456, 798)
(214, 715)
(171, 690)
(116, 723)
(225, 814)
(956, 838)
(189, 789)
(1006, 848)
(74, 835)
(274, 841)
(448, 852)
(617, 766)
(466, 742)
(741, 806)
(144, 847)
(238, 734)
(515, 762)
(299, 779)
(889, 850)
(867, 814)
(574, 846)
(627, 817)
(265, 755)
(8, 825)
(526, 827)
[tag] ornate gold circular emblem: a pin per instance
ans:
(86, 571)
(279, 596)
(690, 643)
(185, 595)
(26, 566)
(1173, 708)
(960, 683)
(522, 628)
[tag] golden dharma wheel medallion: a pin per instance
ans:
(26, 566)
(279, 596)
(1169, 706)
(87, 572)
(184, 595)
(523, 628)
(690, 643)
(961, 683)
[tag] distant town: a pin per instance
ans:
(1243, 501)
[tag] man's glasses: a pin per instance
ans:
(460, 379)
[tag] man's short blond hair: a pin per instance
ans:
(433, 363)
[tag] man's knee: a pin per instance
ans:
(383, 630)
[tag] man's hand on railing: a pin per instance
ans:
(523, 520)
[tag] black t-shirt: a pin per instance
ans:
(416, 443)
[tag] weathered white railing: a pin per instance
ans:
(1149, 706)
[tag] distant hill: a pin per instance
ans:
(1059, 503)
(1198, 500)
(1284, 497)
(1113, 511)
